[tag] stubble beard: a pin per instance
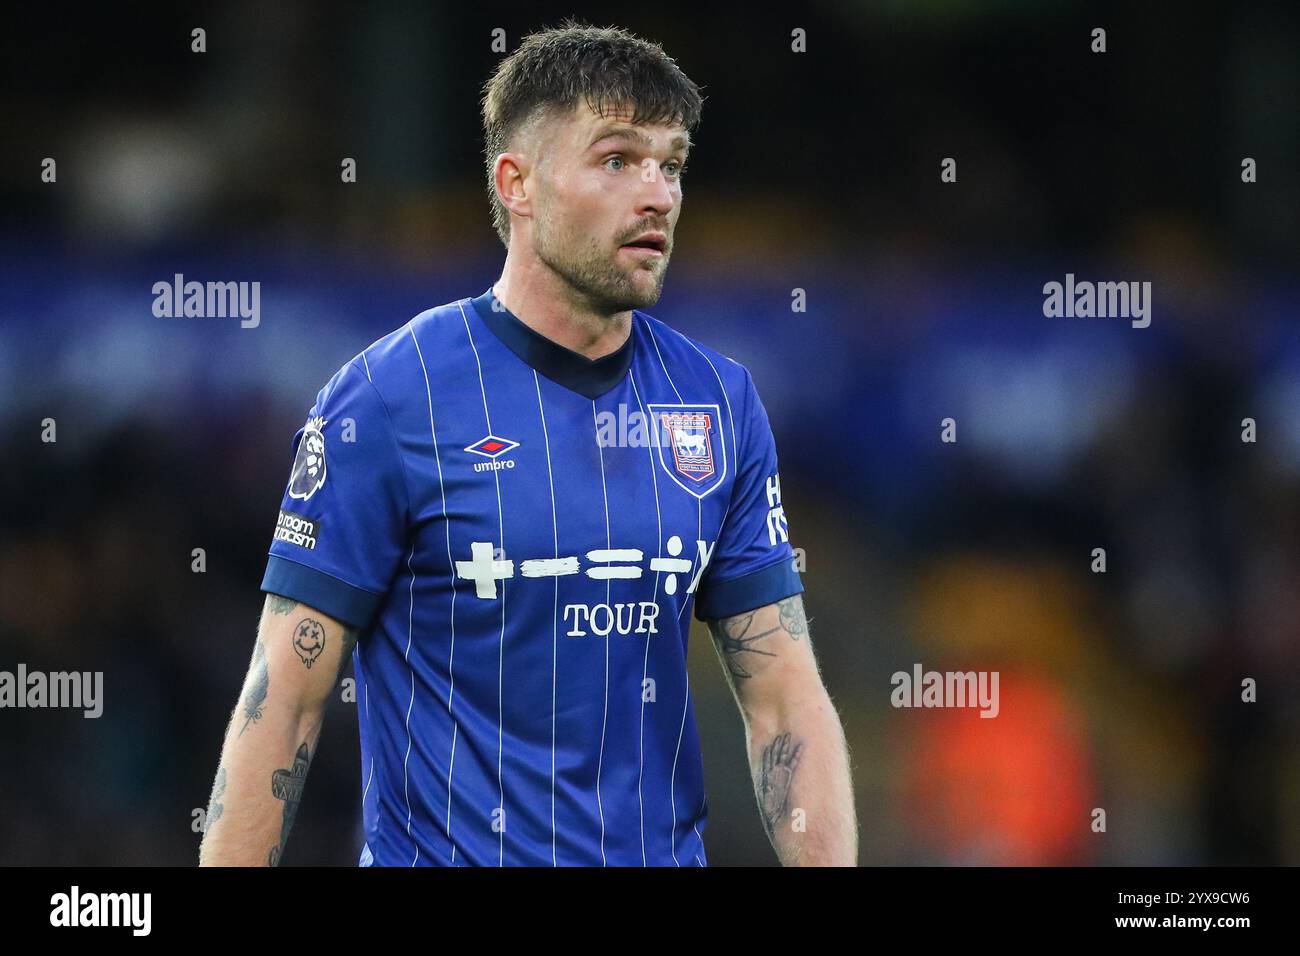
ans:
(594, 275)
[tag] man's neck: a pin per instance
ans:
(548, 305)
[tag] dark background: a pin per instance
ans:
(817, 171)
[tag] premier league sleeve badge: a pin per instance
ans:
(309, 464)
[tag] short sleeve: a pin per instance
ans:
(752, 564)
(342, 526)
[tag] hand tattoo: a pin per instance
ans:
(780, 760)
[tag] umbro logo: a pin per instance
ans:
(492, 447)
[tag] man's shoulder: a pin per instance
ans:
(676, 349)
(398, 365)
(419, 341)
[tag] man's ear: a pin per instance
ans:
(512, 175)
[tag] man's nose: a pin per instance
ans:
(655, 193)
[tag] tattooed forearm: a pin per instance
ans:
(735, 636)
(775, 778)
(258, 684)
(287, 785)
(792, 616)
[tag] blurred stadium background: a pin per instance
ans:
(817, 171)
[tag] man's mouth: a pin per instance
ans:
(655, 243)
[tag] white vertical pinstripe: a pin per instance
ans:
(451, 691)
(672, 787)
(600, 761)
(406, 780)
(555, 536)
(501, 642)
(371, 779)
(645, 664)
(360, 674)
(655, 342)
(699, 530)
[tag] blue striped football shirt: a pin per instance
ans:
(520, 533)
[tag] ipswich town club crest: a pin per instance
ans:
(690, 448)
(309, 465)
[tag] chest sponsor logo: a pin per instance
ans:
(689, 446)
(485, 568)
(309, 464)
(492, 448)
(640, 617)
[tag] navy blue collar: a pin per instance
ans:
(589, 377)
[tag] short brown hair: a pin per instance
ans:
(555, 67)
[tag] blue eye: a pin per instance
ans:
(614, 159)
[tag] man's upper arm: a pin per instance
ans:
(751, 594)
(343, 519)
(767, 655)
(752, 564)
(299, 656)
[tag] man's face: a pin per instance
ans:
(606, 197)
